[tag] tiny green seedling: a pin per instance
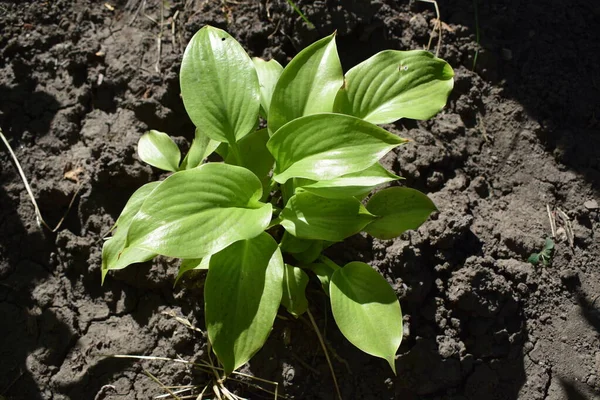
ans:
(259, 221)
(544, 256)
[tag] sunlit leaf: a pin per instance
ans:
(294, 287)
(308, 216)
(158, 149)
(197, 212)
(307, 85)
(396, 84)
(366, 310)
(202, 147)
(327, 146)
(219, 85)
(398, 209)
(268, 75)
(242, 295)
(254, 154)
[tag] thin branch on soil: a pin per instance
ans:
(38, 214)
(159, 37)
(316, 328)
(436, 26)
(552, 221)
(159, 383)
(567, 226)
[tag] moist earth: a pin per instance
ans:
(519, 140)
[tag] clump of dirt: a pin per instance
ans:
(81, 81)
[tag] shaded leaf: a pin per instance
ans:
(202, 147)
(396, 84)
(366, 310)
(242, 295)
(219, 85)
(327, 146)
(307, 85)
(197, 212)
(191, 264)
(398, 209)
(294, 290)
(254, 154)
(308, 216)
(268, 75)
(324, 271)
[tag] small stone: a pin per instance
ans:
(591, 205)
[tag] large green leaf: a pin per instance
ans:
(366, 310)
(398, 209)
(197, 212)
(219, 85)
(158, 149)
(355, 184)
(327, 146)
(307, 85)
(114, 253)
(308, 216)
(268, 75)
(294, 288)
(202, 147)
(242, 295)
(396, 84)
(253, 154)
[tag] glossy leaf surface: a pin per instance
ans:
(158, 149)
(350, 185)
(294, 290)
(398, 209)
(307, 85)
(197, 212)
(308, 216)
(242, 295)
(219, 85)
(366, 310)
(268, 75)
(327, 146)
(253, 154)
(396, 84)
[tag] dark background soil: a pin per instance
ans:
(80, 83)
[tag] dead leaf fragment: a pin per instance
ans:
(73, 174)
(109, 6)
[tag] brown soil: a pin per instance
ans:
(80, 83)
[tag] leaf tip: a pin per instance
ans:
(392, 362)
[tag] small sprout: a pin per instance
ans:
(544, 256)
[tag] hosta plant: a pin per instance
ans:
(298, 154)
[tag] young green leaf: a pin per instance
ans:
(366, 310)
(202, 147)
(308, 216)
(356, 184)
(114, 253)
(307, 85)
(219, 85)
(324, 271)
(398, 209)
(242, 295)
(197, 212)
(294, 287)
(158, 149)
(190, 264)
(311, 253)
(327, 146)
(291, 244)
(396, 84)
(268, 75)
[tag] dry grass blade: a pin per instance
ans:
(155, 379)
(314, 324)
(437, 26)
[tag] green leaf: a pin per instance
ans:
(366, 310)
(242, 295)
(324, 272)
(327, 146)
(534, 258)
(308, 216)
(202, 147)
(291, 244)
(114, 253)
(268, 75)
(396, 84)
(254, 154)
(219, 85)
(294, 288)
(311, 253)
(191, 264)
(197, 212)
(307, 85)
(398, 209)
(355, 184)
(158, 149)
